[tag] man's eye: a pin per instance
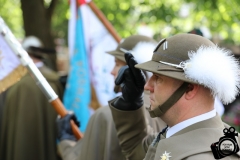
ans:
(158, 79)
(155, 77)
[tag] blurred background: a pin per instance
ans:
(48, 20)
(217, 19)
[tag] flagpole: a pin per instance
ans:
(104, 20)
(36, 74)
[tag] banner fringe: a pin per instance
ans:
(12, 78)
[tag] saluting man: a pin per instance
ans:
(189, 72)
(100, 140)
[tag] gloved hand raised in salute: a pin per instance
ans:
(132, 81)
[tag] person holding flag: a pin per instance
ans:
(28, 129)
(100, 139)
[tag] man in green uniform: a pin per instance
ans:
(189, 71)
(100, 140)
(28, 130)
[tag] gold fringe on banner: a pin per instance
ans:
(12, 78)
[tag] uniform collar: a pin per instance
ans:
(178, 127)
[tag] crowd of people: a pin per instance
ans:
(168, 106)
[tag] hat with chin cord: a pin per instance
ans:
(194, 59)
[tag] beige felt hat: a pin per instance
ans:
(174, 50)
(141, 47)
(195, 59)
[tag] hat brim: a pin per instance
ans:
(117, 54)
(163, 69)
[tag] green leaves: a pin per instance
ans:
(165, 17)
(168, 17)
(12, 14)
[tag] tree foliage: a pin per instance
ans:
(12, 14)
(60, 19)
(165, 17)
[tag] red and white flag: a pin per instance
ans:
(89, 63)
(97, 41)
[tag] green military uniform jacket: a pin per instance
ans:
(28, 130)
(191, 143)
(100, 140)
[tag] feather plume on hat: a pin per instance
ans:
(143, 52)
(216, 69)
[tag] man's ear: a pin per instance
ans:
(191, 91)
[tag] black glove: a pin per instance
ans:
(132, 81)
(64, 127)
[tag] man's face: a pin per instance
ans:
(118, 65)
(161, 88)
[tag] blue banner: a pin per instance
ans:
(77, 95)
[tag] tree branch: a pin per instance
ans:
(51, 8)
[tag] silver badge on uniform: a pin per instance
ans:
(165, 156)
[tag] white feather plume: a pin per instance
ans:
(216, 69)
(143, 52)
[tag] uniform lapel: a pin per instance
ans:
(152, 148)
(194, 139)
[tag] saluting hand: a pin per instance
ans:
(132, 81)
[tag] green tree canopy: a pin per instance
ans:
(12, 14)
(165, 17)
